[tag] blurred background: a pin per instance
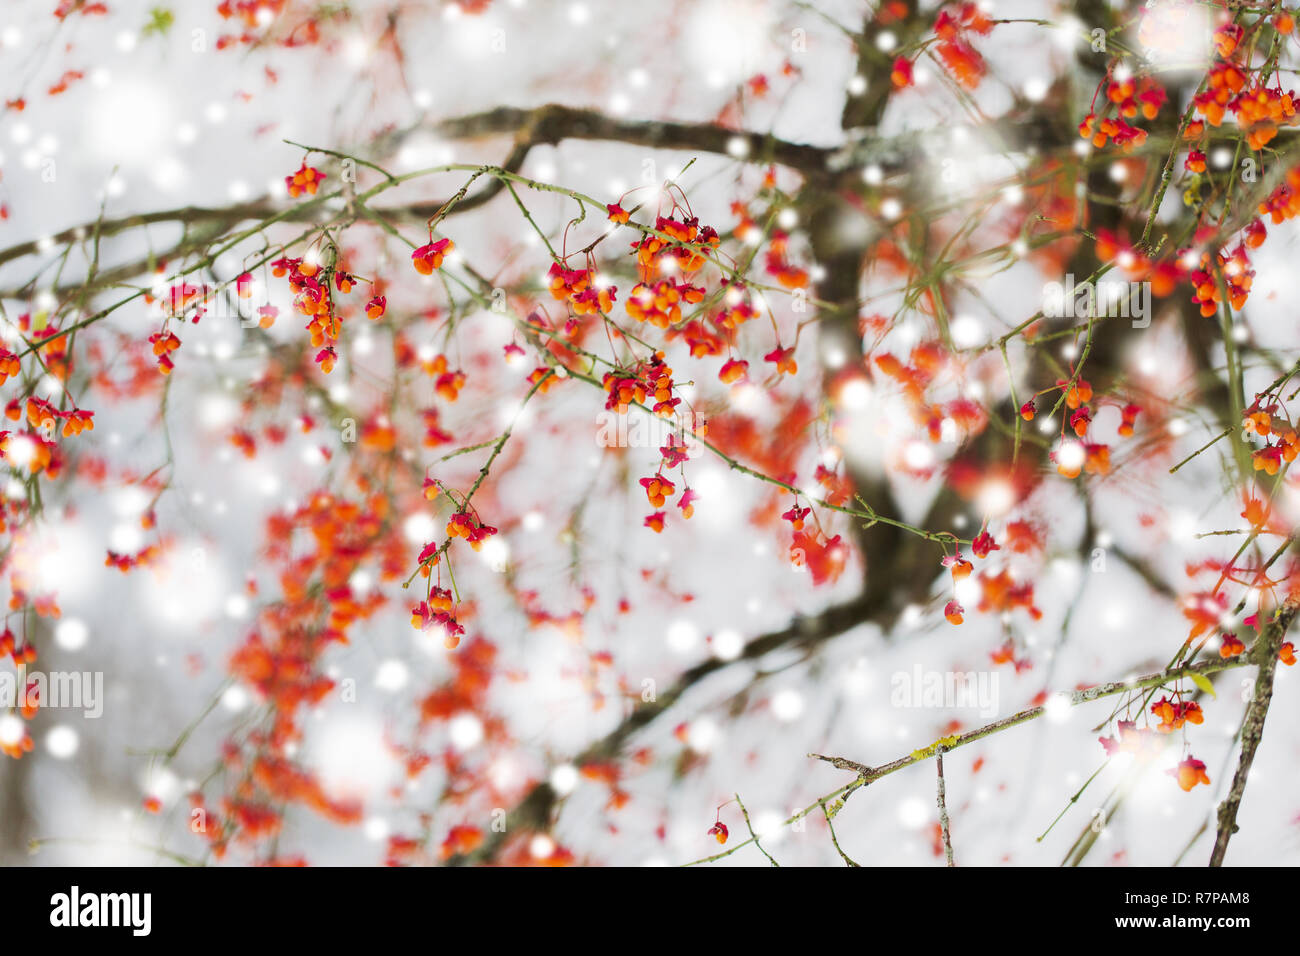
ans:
(590, 613)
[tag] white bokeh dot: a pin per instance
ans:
(62, 742)
(71, 634)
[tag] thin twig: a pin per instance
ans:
(848, 860)
(943, 810)
(754, 836)
(1265, 652)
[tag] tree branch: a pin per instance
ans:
(552, 123)
(943, 809)
(867, 774)
(1088, 694)
(534, 811)
(1265, 654)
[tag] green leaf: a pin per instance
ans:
(160, 21)
(1203, 682)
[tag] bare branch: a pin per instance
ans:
(552, 123)
(943, 809)
(1265, 653)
